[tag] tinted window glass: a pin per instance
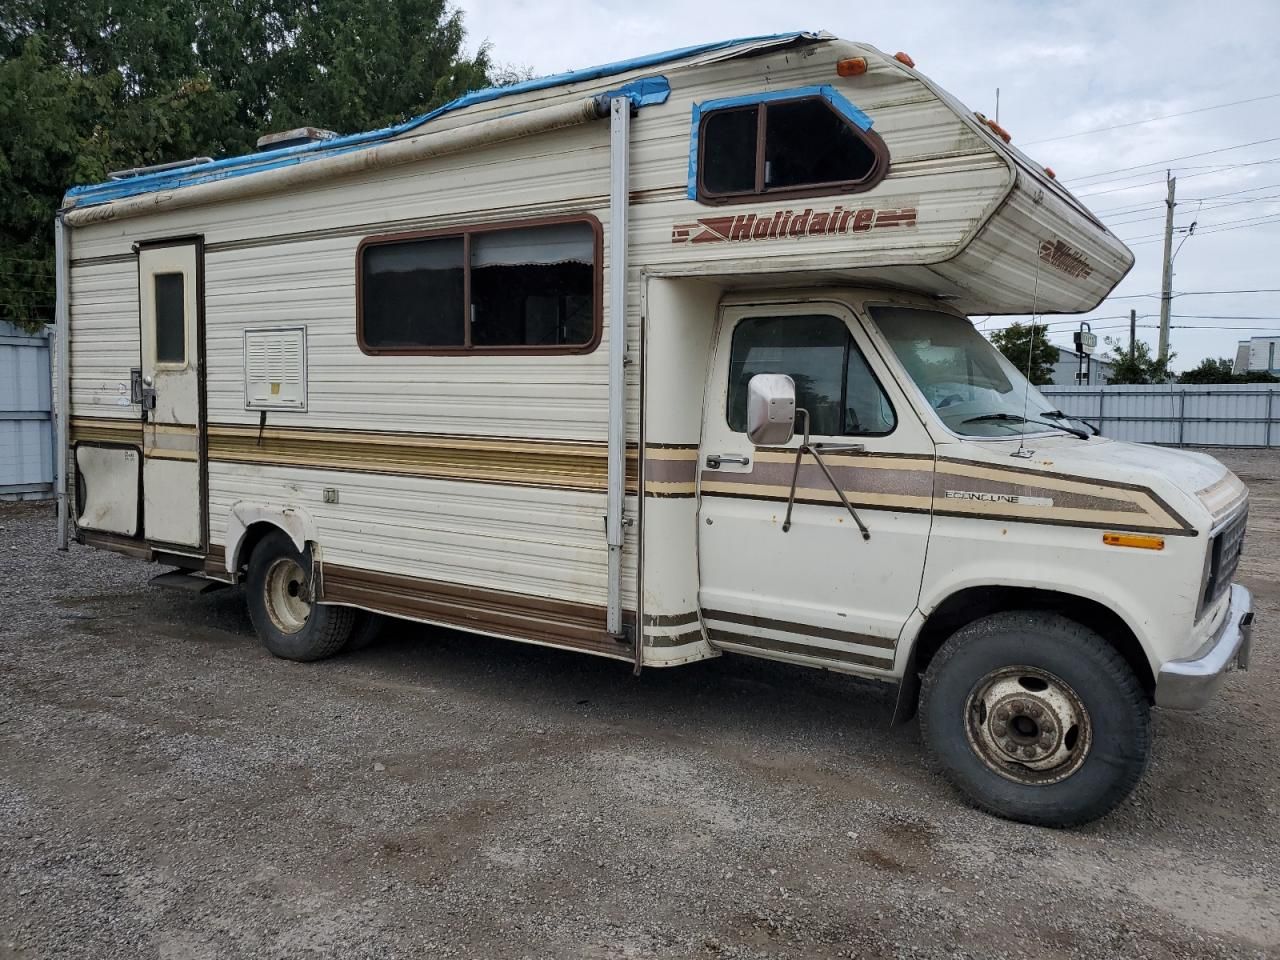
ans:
(806, 142)
(171, 321)
(729, 151)
(832, 379)
(411, 294)
(533, 287)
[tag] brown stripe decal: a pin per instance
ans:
(555, 464)
(670, 469)
(804, 629)
(106, 430)
(670, 619)
(560, 623)
(800, 649)
(677, 640)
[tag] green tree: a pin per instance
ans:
(1137, 366)
(100, 85)
(1023, 343)
(1209, 371)
(1219, 371)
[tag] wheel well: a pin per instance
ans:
(973, 602)
(253, 535)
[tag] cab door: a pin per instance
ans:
(172, 467)
(816, 593)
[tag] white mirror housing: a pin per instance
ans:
(771, 409)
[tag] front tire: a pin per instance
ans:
(1036, 718)
(279, 591)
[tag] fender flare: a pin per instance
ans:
(297, 523)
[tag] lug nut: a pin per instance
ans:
(1000, 729)
(1028, 752)
(1002, 713)
(1035, 710)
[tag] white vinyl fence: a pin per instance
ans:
(1178, 414)
(26, 415)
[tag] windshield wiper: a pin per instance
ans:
(1016, 418)
(1059, 415)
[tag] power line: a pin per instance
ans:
(1167, 116)
(1217, 226)
(1186, 176)
(1171, 160)
(1199, 209)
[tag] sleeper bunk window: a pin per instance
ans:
(510, 289)
(785, 148)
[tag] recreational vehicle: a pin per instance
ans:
(657, 361)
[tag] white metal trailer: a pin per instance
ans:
(513, 367)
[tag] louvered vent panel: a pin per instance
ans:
(275, 369)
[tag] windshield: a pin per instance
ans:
(967, 381)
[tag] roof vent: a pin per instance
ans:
(294, 138)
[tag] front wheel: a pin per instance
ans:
(279, 591)
(1036, 718)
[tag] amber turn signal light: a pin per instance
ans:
(1142, 541)
(904, 58)
(1048, 172)
(852, 67)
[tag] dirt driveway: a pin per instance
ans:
(169, 790)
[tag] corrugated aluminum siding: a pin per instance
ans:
(26, 415)
(1216, 415)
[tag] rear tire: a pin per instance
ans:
(366, 629)
(1036, 718)
(279, 587)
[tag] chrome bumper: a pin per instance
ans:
(1189, 684)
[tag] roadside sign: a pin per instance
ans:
(1086, 341)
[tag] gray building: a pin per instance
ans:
(1066, 372)
(1258, 354)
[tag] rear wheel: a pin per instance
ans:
(279, 590)
(1036, 718)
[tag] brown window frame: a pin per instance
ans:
(872, 139)
(465, 233)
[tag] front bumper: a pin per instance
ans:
(1189, 684)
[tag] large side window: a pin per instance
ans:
(788, 147)
(833, 381)
(526, 288)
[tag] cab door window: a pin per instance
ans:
(833, 381)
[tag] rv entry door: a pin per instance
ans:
(172, 474)
(815, 592)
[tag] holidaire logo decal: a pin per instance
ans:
(783, 224)
(1065, 258)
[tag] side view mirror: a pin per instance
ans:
(771, 409)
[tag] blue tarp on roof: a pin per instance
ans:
(273, 159)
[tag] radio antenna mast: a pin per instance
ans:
(1022, 450)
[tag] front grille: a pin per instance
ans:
(1224, 557)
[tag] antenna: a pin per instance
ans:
(997, 104)
(1022, 452)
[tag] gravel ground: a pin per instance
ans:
(169, 790)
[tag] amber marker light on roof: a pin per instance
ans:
(1142, 541)
(852, 67)
(1048, 172)
(904, 58)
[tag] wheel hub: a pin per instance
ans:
(287, 602)
(1028, 725)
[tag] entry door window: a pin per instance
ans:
(833, 382)
(171, 320)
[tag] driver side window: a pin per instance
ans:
(833, 381)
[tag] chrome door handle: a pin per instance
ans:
(715, 459)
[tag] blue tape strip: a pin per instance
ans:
(644, 92)
(839, 102)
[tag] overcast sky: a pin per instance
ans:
(1062, 68)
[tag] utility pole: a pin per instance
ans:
(1166, 284)
(1133, 332)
